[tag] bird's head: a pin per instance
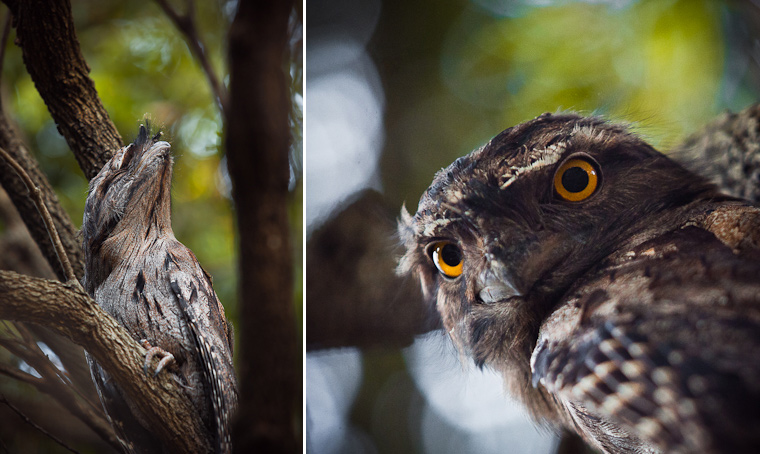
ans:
(129, 196)
(502, 233)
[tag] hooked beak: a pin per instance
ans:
(496, 283)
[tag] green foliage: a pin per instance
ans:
(660, 65)
(660, 61)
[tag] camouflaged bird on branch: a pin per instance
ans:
(153, 285)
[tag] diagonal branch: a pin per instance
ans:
(67, 310)
(185, 23)
(45, 33)
(17, 191)
(51, 52)
(17, 374)
(55, 384)
(20, 253)
(5, 401)
(36, 194)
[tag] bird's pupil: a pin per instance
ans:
(450, 255)
(575, 179)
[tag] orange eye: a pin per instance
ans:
(447, 258)
(576, 180)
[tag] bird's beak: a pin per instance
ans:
(496, 283)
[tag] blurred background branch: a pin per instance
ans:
(258, 141)
(186, 23)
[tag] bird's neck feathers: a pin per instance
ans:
(148, 215)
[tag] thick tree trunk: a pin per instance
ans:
(258, 136)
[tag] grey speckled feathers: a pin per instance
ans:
(154, 286)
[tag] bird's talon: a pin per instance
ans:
(166, 357)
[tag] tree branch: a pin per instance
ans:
(36, 194)
(45, 32)
(16, 189)
(46, 52)
(54, 383)
(17, 374)
(67, 310)
(19, 251)
(185, 23)
(33, 424)
(355, 297)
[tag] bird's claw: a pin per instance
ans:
(166, 357)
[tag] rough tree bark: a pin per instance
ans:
(257, 145)
(51, 52)
(69, 311)
(45, 32)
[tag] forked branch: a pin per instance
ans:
(66, 309)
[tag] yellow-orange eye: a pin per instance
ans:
(447, 258)
(576, 180)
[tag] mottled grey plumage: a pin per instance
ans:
(629, 313)
(154, 286)
(727, 150)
